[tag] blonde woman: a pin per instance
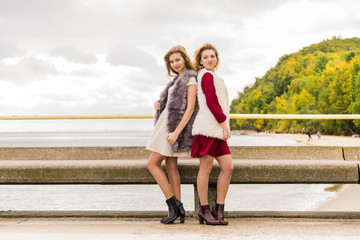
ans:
(172, 137)
(210, 138)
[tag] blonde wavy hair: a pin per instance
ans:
(207, 46)
(182, 51)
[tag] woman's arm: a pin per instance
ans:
(191, 99)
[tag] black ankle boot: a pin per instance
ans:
(176, 210)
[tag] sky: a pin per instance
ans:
(77, 57)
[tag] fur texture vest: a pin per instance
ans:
(176, 110)
(205, 123)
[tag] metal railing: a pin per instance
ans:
(61, 117)
(295, 116)
(232, 116)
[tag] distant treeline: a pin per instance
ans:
(322, 78)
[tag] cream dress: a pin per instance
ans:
(158, 141)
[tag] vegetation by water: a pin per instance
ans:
(322, 78)
(334, 188)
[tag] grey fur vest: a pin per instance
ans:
(176, 110)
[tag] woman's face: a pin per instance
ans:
(177, 63)
(208, 59)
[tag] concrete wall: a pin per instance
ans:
(138, 153)
(127, 165)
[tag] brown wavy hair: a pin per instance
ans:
(182, 51)
(207, 46)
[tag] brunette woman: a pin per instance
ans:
(211, 130)
(172, 138)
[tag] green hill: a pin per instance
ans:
(322, 78)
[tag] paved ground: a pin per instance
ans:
(246, 228)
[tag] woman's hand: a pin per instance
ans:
(172, 137)
(226, 131)
(157, 105)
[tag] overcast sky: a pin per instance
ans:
(106, 56)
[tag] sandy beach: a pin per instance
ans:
(325, 140)
(347, 199)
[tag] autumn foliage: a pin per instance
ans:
(322, 78)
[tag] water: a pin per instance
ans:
(244, 197)
(130, 132)
(72, 139)
(100, 132)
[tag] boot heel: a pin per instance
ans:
(201, 220)
(181, 214)
(182, 210)
(182, 218)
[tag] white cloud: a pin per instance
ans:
(128, 55)
(9, 51)
(106, 57)
(26, 70)
(73, 55)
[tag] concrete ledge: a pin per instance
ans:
(294, 214)
(189, 214)
(85, 214)
(75, 172)
(136, 153)
(73, 153)
(295, 171)
(352, 153)
(132, 153)
(135, 172)
(287, 152)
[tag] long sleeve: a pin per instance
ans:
(208, 87)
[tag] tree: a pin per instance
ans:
(323, 78)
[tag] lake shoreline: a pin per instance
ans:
(347, 199)
(303, 139)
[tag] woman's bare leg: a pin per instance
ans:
(154, 166)
(206, 164)
(223, 183)
(173, 175)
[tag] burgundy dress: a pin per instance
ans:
(203, 145)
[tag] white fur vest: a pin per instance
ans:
(205, 123)
(176, 109)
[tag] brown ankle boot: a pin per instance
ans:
(218, 213)
(205, 215)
